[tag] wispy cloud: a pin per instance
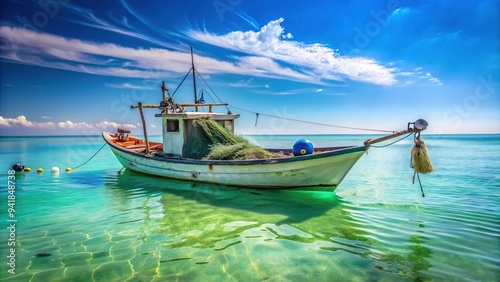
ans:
(88, 57)
(129, 86)
(150, 26)
(247, 18)
(269, 52)
(429, 77)
(291, 91)
(248, 83)
(114, 60)
(22, 122)
(314, 60)
(419, 75)
(86, 17)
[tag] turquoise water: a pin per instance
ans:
(98, 225)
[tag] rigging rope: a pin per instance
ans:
(278, 117)
(220, 101)
(312, 122)
(392, 143)
(181, 83)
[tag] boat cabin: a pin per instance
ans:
(182, 137)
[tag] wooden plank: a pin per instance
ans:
(154, 106)
(202, 105)
(125, 144)
(151, 106)
(137, 146)
(144, 128)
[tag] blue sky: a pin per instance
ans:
(75, 67)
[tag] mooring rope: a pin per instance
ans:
(91, 157)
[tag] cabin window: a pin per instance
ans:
(172, 125)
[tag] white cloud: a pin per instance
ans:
(248, 83)
(429, 77)
(89, 57)
(418, 75)
(269, 51)
(437, 81)
(3, 122)
(113, 60)
(73, 125)
(266, 67)
(315, 60)
(291, 91)
(109, 125)
(22, 122)
(129, 86)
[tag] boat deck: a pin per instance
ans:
(135, 144)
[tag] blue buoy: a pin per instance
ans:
(302, 147)
(18, 167)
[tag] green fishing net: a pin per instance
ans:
(210, 140)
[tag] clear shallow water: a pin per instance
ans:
(101, 226)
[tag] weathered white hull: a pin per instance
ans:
(322, 171)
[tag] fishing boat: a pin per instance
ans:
(182, 154)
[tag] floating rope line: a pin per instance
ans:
(92, 156)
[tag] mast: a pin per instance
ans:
(194, 77)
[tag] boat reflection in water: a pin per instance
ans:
(189, 229)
